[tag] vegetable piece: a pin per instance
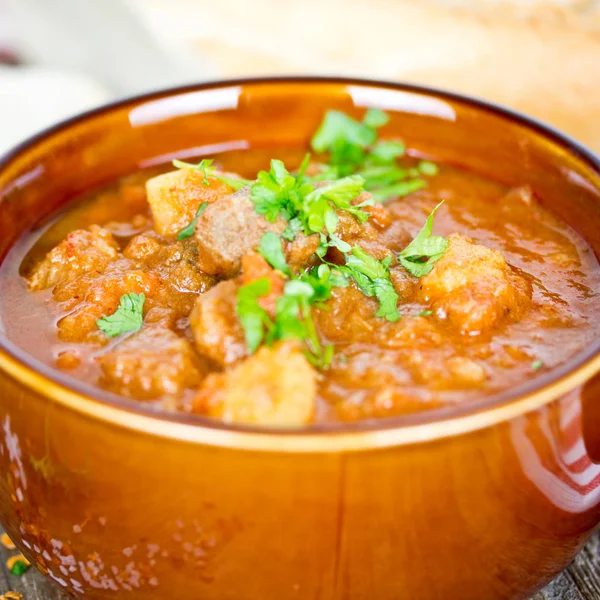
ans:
(373, 278)
(536, 365)
(420, 255)
(270, 248)
(128, 316)
(188, 231)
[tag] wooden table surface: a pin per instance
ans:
(581, 581)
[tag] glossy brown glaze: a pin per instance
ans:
(489, 502)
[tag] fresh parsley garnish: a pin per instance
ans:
(353, 148)
(425, 249)
(398, 190)
(270, 248)
(252, 316)
(372, 276)
(293, 317)
(127, 317)
(427, 168)
(347, 140)
(188, 230)
(206, 168)
(305, 206)
(536, 365)
(425, 313)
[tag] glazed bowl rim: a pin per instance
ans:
(366, 434)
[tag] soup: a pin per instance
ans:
(272, 287)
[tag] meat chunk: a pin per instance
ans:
(379, 236)
(151, 363)
(474, 288)
(218, 334)
(93, 296)
(82, 251)
(175, 197)
(227, 230)
(300, 254)
(347, 316)
(276, 386)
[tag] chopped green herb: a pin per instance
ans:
(373, 278)
(386, 152)
(425, 313)
(375, 118)
(19, 567)
(536, 365)
(205, 166)
(354, 149)
(252, 316)
(305, 206)
(270, 248)
(418, 257)
(188, 230)
(128, 316)
(428, 168)
(398, 190)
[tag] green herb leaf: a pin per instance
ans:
(536, 365)
(293, 228)
(425, 313)
(398, 190)
(253, 317)
(204, 166)
(337, 127)
(373, 278)
(235, 183)
(428, 168)
(270, 248)
(375, 118)
(19, 568)
(128, 316)
(420, 255)
(188, 230)
(386, 152)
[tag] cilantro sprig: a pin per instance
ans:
(188, 230)
(128, 316)
(353, 148)
(424, 250)
(293, 312)
(305, 206)
(205, 166)
(372, 276)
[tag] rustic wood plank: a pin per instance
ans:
(581, 581)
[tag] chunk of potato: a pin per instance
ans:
(474, 288)
(151, 363)
(175, 197)
(276, 386)
(82, 251)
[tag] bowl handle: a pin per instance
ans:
(590, 414)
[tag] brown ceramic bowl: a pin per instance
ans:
(486, 501)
